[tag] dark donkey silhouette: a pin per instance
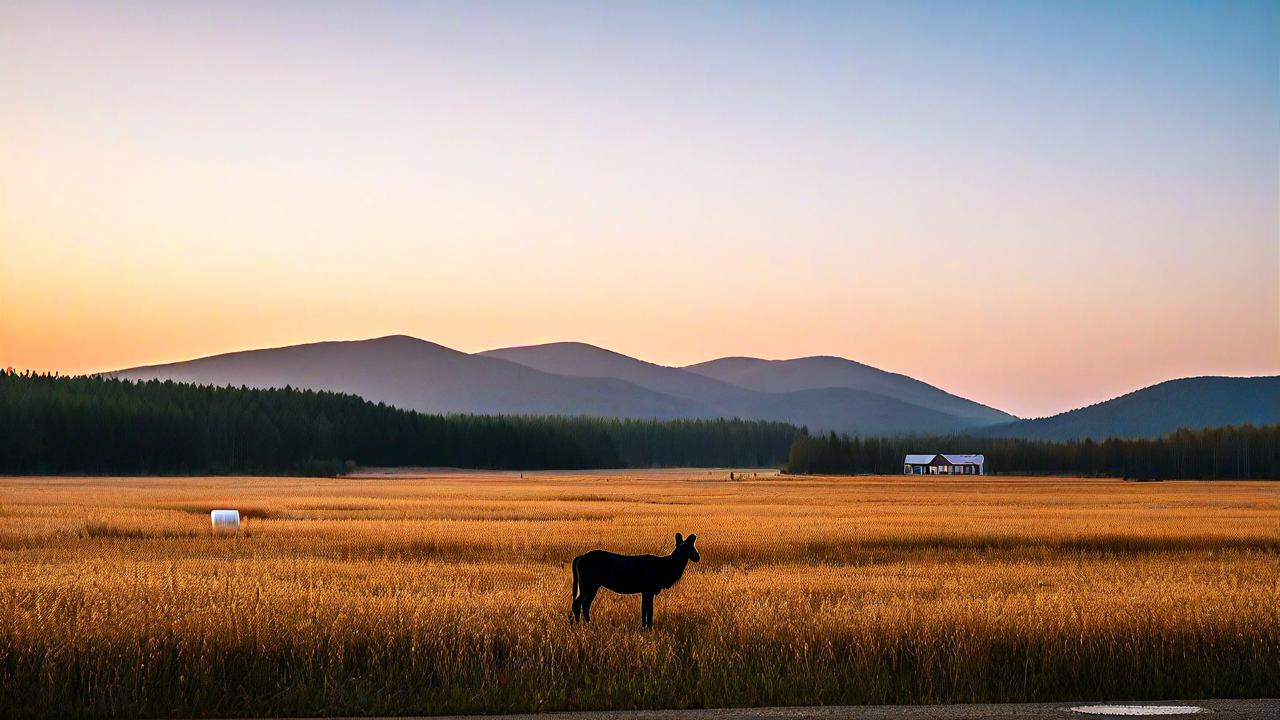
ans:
(647, 575)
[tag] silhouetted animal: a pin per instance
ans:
(646, 575)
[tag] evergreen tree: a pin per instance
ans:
(1231, 452)
(54, 424)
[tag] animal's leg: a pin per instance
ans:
(646, 610)
(577, 600)
(588, 595)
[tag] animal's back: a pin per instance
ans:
(625, 574)
(597, 556)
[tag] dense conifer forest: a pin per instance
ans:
(1232, 452)
(56, 424)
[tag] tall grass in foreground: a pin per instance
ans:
(452, 594)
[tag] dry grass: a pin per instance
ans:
(450, 593)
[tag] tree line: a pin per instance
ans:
(95, 425)
(1230, 452)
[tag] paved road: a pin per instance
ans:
(1219, 709)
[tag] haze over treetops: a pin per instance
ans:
(1034, 206)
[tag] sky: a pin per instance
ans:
(1034, 205)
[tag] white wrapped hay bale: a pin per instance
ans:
(225, 519)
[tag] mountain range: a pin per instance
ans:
(1192, 403)
(822, 393)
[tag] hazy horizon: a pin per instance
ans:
(503, 347)
(1036, 207)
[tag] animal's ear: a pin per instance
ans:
(692, 537)
(679, 538)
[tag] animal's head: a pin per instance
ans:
(684, 545)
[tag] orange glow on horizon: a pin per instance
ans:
(183, 182)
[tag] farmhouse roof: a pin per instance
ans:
(951, 458)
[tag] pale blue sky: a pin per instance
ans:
(1087, 193)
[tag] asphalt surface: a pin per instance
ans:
(1219, 709)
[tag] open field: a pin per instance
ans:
(450, 593)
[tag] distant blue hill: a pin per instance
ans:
(1192, 403)
(822, 393)
(580, 379)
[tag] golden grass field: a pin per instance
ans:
(450, 592)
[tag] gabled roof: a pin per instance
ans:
(951, 458)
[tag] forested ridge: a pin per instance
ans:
(59, 424)
(95, 425)
(1229, 452)
(1156, 411)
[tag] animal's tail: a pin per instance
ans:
(575, 579)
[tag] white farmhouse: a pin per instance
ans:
(949, 464)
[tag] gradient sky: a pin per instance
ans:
(1034, 205)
